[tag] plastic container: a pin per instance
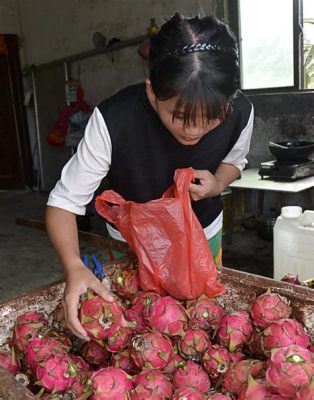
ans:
(294, 243)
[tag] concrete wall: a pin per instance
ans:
(280, 117)
(9, 17)
(61, 28)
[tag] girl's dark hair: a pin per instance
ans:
(196, 60)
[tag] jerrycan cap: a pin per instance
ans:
(291, 211)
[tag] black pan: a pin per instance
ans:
(296, 150)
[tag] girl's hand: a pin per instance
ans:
(78, 280)
(208, 186)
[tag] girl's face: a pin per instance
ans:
(187, 135)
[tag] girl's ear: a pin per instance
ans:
(149, 91)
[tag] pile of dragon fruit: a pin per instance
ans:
(147, 346)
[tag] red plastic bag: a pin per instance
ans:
(165, 234)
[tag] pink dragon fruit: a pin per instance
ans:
(188, 393)
(135, 314)
(254, 346)
(177, 361)
(193, 343)
(168, 316)
(204, 313)
(237, 356)
(40, 348)
(238, 373)
(111, 383)
(57, 372)
(100, 318)
(9, 359)
(124, 361)
(94, 353)
(283, 333)
(61, 337)
(81, 388)
(120, 339)
(269, 307)
(192, 374)
(125, 282)
(235, 330)
(151, 350)
(306, 392)
(254, 389)
(216, 360)
(219, 396)
(28, 326)
(58, 319)
(145, 299)
(141, 393)
(155, 381)
(290, 368)
(290, 278)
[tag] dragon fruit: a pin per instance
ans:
(151, 350)
(135, 314)
(238, 373)
(28, 326)
(193, 343)
(216, 360)
(61, 337)
(58, 319)
(177, 361)
(125, 282)
(168, 316)
(100, 318)
(57, 372)
(111, 383)
(237, 356)
(156, 382)
(81, 388)
(120, 339)
(204, 313)
(219, 396)
(124, 361)
(188, 393)
(254, 389)
(306, 392)
(94, 353)
(269, 307)
(144, 299)
(254, 346)
(142, 393)
(9, 359)
(283, 333)
(290, 368)
(191, 374)
(290, 278)
(40, 348)
(235, 330)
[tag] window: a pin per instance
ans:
(276, 43)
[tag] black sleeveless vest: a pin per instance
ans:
(145, 155)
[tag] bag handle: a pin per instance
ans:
(182, 179)
(108, 205)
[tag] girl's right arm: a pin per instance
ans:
(62, 230)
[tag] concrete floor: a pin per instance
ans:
(27, 260)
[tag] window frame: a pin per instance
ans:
(233, 21)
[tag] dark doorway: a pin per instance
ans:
(15, 156)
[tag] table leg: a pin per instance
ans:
(234, 202)
(259, 202)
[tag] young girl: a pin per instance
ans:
(189, 113)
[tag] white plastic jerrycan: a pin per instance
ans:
(294, 243)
